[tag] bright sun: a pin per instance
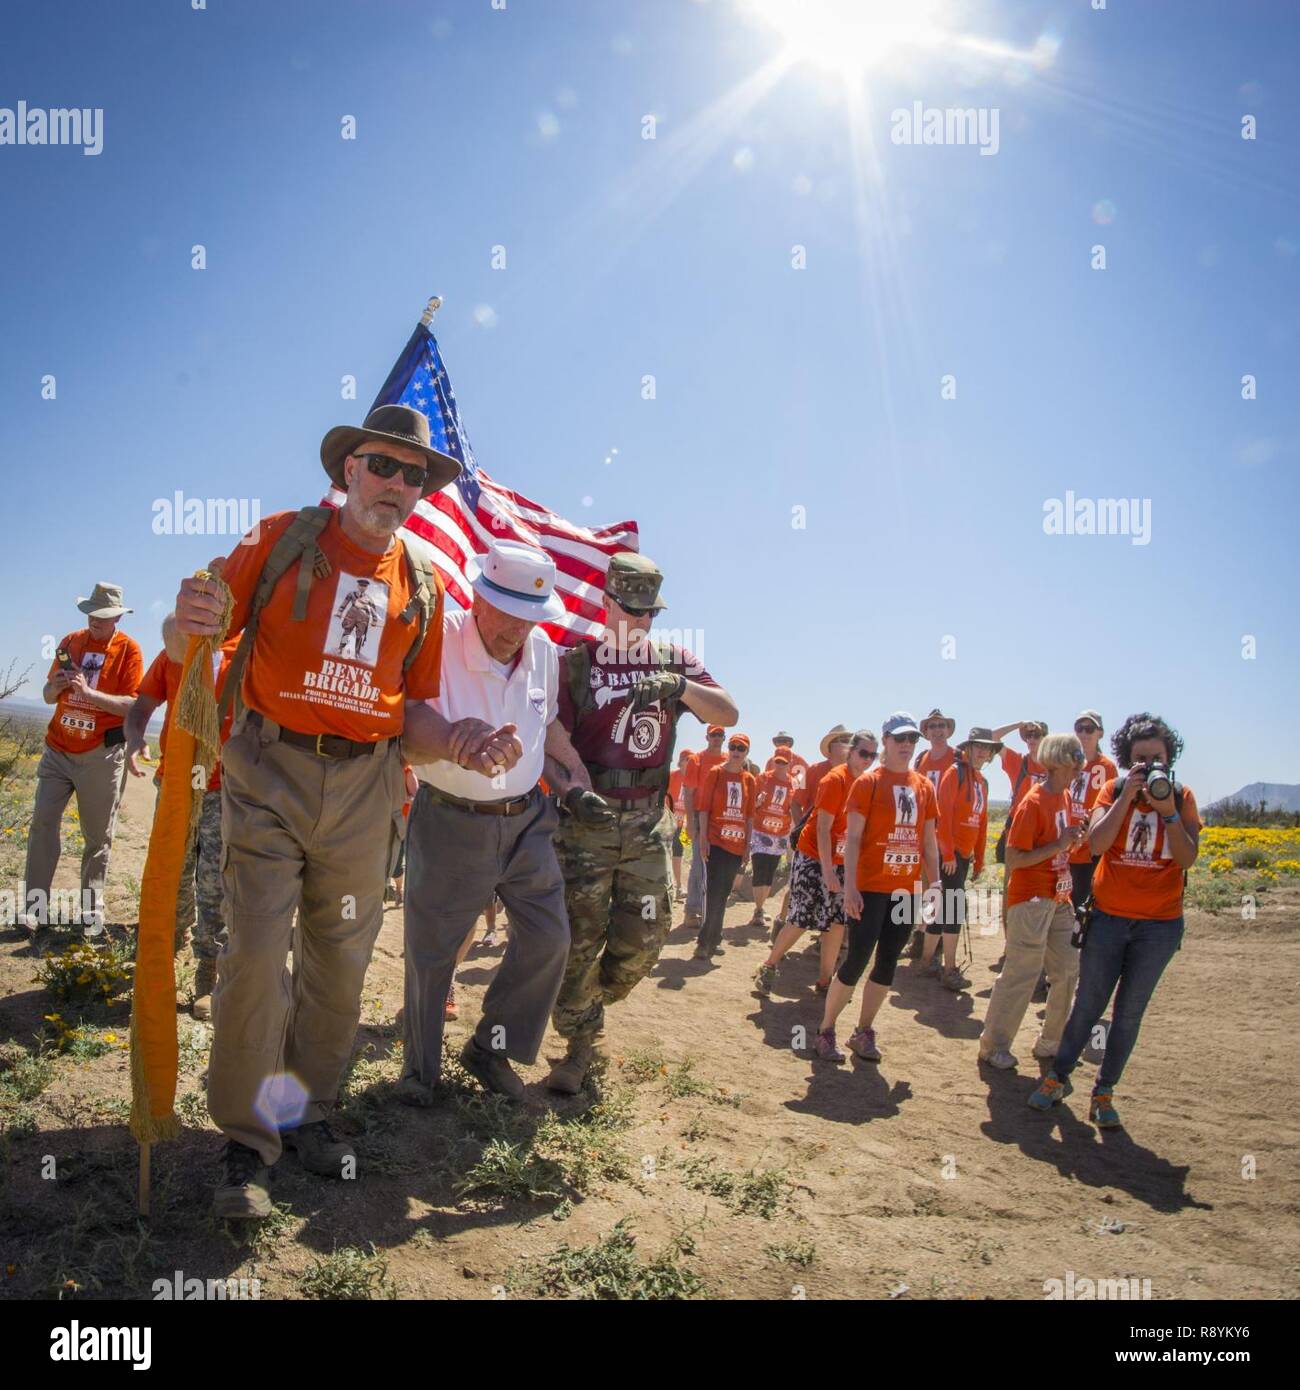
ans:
(853, 36)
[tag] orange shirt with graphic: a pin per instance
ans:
(896, 807)
(832, 794)
(114, 667)
(1138, 876)
(963, 814)
(798, 774)
(160, 683)
(808, 797)
(773, 805)
(934, 768)
(1084, 791)
(696, 770)
(727, 799)
(1037, 821)
(339, 671)
(1034, 772)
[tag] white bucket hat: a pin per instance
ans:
(517, 579)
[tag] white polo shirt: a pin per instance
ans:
(474, 686)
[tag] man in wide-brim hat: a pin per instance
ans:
(313, 786)
(92, 684)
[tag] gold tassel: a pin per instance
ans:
(196, 707)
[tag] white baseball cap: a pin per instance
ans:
(517, 579)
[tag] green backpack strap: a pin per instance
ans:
(577, 670)
(424, 599)
(298, 543)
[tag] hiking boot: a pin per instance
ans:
(930, 969)
(700, 954)
(410, 1090)
(1045, 1053)
(821, 986)
(449, 1009)
(1051, 1091)
(319, 1149)
(568, 1074)
(205, 981)
(764, 979)
(1001, 1059)
(245, 1192)
(1102, 1112)
(759, 919)
(953, 979)
(916, 945)
(492, 1070)
(862, 1043)
(824, 1047)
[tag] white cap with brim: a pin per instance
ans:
(517, 579)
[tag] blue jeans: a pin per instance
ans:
(1118, 951)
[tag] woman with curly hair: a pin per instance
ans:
(1147, 842)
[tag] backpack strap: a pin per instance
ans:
(425, 597)
(296, 544)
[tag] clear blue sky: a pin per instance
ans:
(776, 387)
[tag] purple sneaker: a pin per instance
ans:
(862, 1043)
(824, 1047)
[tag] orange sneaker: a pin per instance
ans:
(450, 1010)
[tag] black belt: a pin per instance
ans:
(514, 806)
(323, 745)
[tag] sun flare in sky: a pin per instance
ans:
(854, 36)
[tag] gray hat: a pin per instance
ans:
(782, 734)
(399, 424)
(984, 737)
(105, 601)
(1090, 714)
(633, 581)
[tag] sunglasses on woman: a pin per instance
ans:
(1086, 729)
(383, 466)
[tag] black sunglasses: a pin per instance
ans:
(1086, 729)
(382, 466)
(905, 738)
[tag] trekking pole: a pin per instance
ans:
(144, 1179)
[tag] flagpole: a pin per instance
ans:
(431, 308)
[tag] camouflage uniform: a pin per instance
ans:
(616, 884)
(198, 895)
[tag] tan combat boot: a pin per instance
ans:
(205, 981)
(568, 1074)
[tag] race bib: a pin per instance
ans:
(80, 724)
(839, 846)
(773, 825)
(1064, 887)
(899, 859)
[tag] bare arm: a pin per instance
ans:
(711, 703)
(137, 721)
(857, 823)
(825, 850)
(469, 743)
(930, 853)
(564, 768)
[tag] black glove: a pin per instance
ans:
(664, 686)
(587, 807)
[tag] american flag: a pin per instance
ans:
(465, 517)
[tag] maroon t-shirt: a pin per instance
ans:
(609, 734)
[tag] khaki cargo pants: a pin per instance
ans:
(303, 834)
(1038, 938)
(95, 778)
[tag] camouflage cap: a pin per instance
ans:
(633, 581)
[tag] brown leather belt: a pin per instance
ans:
(515, 806)
(323, 745)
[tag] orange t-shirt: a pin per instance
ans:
(1034, 772)
(113, 668)
(773, 802)
(1038, 820)
(798, 770)
(675, 795)
(696, 770)
(934, 768)
(1137, 876)
(727, 798)
(896, 807)
(832, 793)
(808, 796)
(339, 671)
(963, 813)
(1084, 791)
(161, 682)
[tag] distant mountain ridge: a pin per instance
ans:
(1279, 796)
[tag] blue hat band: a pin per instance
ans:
(513, 593)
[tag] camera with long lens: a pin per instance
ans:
(1160, 781)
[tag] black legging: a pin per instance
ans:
(953, 911)
(876, 930)
(719, 877)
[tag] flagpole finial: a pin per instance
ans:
(431, 308)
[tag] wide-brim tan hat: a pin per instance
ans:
(838, 732)
(983, 737)
(939, 714)
(399, 424)
(105, 601)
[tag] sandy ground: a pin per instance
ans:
(922, 1171)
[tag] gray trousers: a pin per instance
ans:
(455, 861)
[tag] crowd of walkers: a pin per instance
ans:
(377, 748)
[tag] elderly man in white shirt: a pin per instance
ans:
(480, 825)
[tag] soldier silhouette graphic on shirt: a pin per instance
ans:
(904, 806)
(361, 608)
